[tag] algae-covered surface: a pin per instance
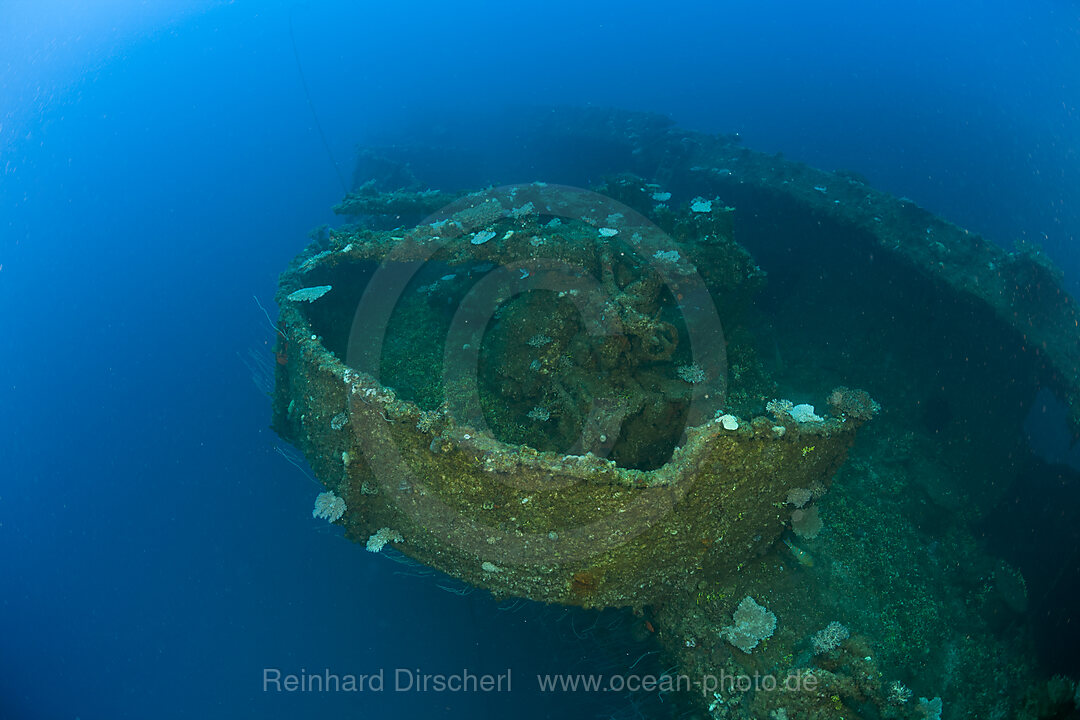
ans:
(766, 408)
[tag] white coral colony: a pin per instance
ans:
(329, 507)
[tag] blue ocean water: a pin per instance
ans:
(160, 163)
